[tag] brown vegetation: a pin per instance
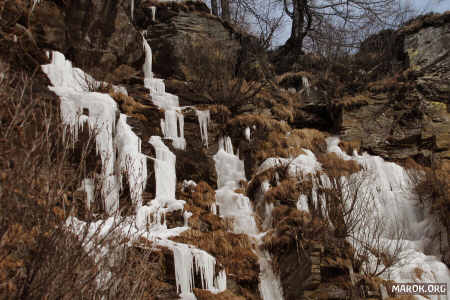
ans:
(232, 251)
(226, 295)
(219, 74)
(352, 101)
(350, 146)
(129, 106)
(203, 195)
(334, 166)
(286, 193)
(431, 19)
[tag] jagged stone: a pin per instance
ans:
(89, 31)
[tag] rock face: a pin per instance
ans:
(89, 32)
(407, 115)
(176, 26)
(395, 117)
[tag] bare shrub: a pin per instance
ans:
(375, 250)
(218, 75)
(343, 198)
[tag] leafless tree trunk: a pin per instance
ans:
(351, 15)
(214, 8)
(301, 23)
(225, 5)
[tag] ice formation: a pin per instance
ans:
(153, 9)
(389, 186)
(247, 133)
(230, 173)
(165, 201)
(306, 84)
(396, 204)
(87, 185)
(302, 203)
(173, 128)
(301, 165)
(120, 152)
(70, 85)
(188, 260)
(131, 160)
(132, 10)
(203, 121)
(173, 124)
(188, 184)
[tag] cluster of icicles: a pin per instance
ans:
(120, 152)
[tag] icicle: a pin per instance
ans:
(164, 170)
(226, 145)
(189, 260)
(153, 9)
(70, 85)
(302, 203)
(147, 68)
(132, 9)
(306, 84)
(173, 128)
(131, 160)
(220, 283)
(186, 216)
(87, 185)
(188, 184)
(214, 209)
(247, 133)
(237, 207)
(203, 121)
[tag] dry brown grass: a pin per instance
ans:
(432, 19)
(353, 101)
(255, 184)
(203, 195)
(418, 272)
(283, 112)
(288, 222)
(261, 122)
(310, 139)
(335, 166)
(226, 295)
(127, 104)
(387, 84)
(290, 78)
(278, 144)
(286, 192)
(188, 5)
(350, 146)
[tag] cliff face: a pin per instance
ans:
(406, 115)
(399, 116)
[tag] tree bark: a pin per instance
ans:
(214, 8)
(301, 24)
(225, 4)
